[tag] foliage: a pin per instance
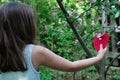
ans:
(117, 76)
(57, 35)
(54, 32)
(46, 73)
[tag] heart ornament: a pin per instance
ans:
(100, 39)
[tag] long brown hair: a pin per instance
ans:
(16, 30)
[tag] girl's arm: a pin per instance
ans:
(43, 56)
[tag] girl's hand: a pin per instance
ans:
(101, 52)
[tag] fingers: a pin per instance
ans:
(101, 51)
(101, 46)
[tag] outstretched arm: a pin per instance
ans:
(43, 56)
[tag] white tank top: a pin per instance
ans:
(30, 74)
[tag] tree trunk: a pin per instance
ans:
(102, 63)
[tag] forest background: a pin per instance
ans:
(55, 33)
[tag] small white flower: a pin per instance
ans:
(76, 41)
(117, 29)
(80, 20)
(113, 6)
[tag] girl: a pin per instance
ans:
(20, 58)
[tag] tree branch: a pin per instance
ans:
(110, 64)
(83, 13)
(75, 32)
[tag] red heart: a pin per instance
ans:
(102, 40)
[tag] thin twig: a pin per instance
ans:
(83, 13)
(110, 65)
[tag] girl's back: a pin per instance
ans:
(30, 74)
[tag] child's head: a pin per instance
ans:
(17, 21)
(16, 30)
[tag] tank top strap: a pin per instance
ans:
(28, 56)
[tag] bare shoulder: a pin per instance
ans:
(37, 55)
(38, 49)
(40, 53)
(41, 50)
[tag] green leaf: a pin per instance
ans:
(33, 2)
(117, 14)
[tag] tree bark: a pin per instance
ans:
(102, 63)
